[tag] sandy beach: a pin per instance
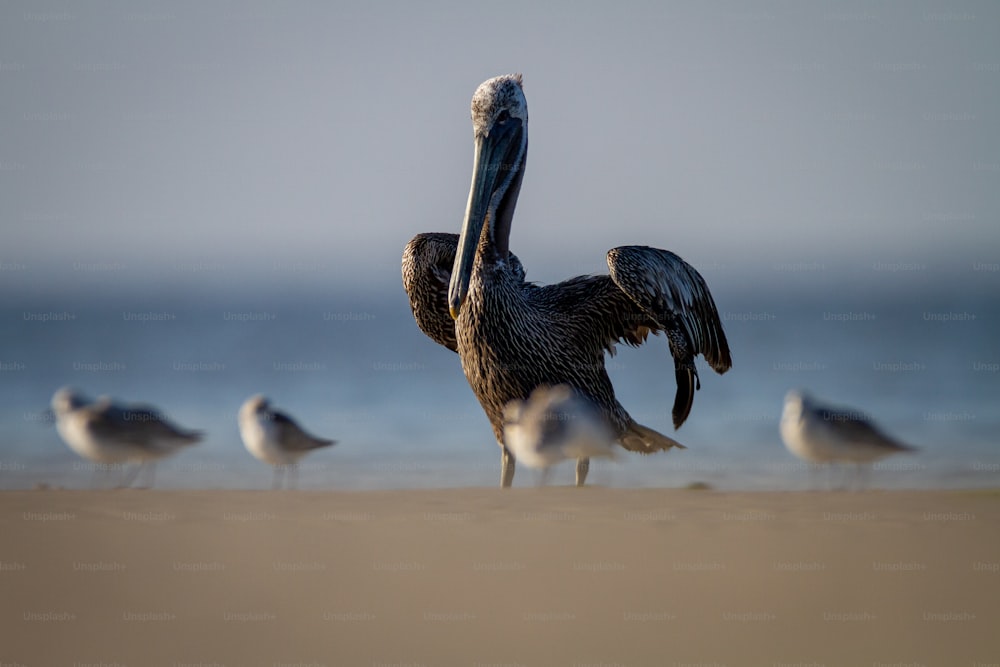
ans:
(553, 576)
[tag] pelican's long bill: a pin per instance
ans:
(494, 166)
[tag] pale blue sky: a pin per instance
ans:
(264, 141)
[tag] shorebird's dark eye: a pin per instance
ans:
(503, 117)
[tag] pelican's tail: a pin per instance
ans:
(642, 439)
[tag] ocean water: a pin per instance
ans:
(925, 366)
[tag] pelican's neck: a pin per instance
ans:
(497, 238)
(496, 284)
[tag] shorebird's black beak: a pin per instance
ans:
(496, 160)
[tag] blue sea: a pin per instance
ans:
(924, 364)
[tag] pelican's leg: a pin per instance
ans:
(506, 468)
(582, 468)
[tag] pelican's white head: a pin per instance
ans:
(496, 101)
(500, 131)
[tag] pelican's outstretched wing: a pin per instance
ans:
(427, 263)
(669, 295)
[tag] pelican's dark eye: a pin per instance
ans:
(503, 117)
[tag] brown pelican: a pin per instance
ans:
(111, 434)
(821, 434)
(469, 293)
(274, 437)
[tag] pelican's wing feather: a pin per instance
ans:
(427, 263)
(669, 295)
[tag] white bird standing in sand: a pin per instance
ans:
(554, 425)
(273, 437)
(821, 434)
(108, 433)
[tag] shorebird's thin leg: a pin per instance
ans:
(506, 468)
(831, 477)
(151, 475)
(846, 478)
(862, 476)
(814, 481)
(130, 477)
(276, 478)
(293, 471)
(582, 468)
(543, 478)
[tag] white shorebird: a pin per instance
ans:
(273, 437)
(555, 425)
(821, 434)
(111, 434)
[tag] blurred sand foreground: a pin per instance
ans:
(481, 577)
